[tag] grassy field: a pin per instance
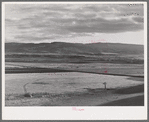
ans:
(63, 82)
(103, 68)
(94, 97)
(75, 58)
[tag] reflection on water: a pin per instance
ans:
(63, 82)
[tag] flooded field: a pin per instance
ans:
(64, 82)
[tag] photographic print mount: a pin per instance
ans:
(74, 57)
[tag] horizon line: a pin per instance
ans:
(72, 43)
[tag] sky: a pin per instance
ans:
(74, 23)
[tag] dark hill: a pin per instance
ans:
(73, 48)
(55, 47)
(118, 48)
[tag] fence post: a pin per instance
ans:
(105, 85)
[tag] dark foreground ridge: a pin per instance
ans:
(133, 101)
(130, 90)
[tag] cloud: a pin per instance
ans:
(103, 26)
(33, 38)
(69, 20)
(138, 19)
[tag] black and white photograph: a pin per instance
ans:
(74, 55)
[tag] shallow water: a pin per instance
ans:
(62, 82)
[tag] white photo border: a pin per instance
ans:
(66, 113)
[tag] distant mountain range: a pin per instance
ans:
(74, 48)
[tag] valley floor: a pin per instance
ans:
(98, 68)
(129, 96)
